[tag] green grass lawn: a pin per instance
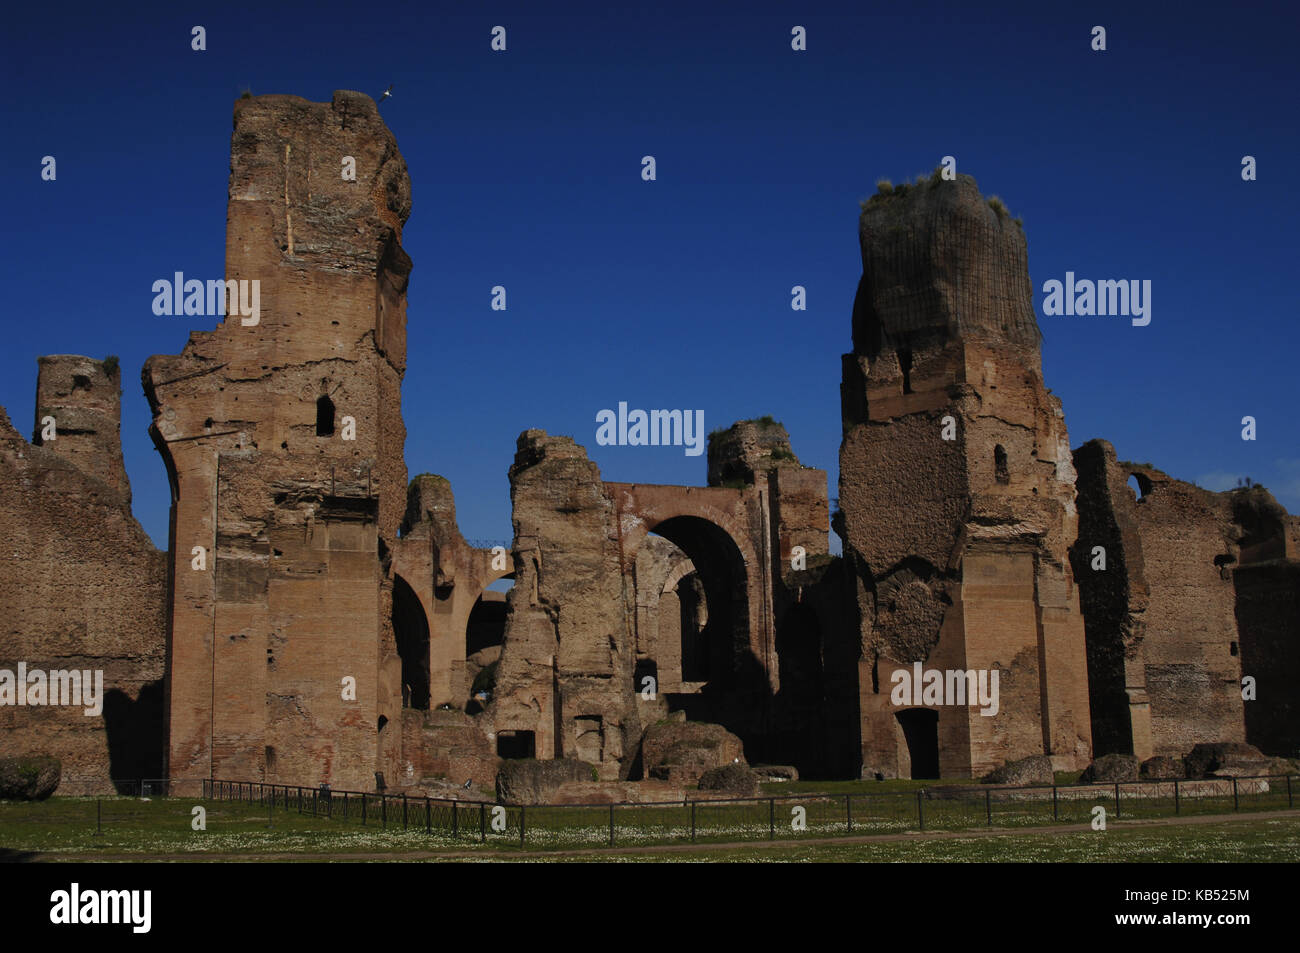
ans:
(1247, 841)
(139, 827)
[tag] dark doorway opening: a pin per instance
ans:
(921, 732)
(324, 417)
(412, 631)
(905, 365)
(516, 744)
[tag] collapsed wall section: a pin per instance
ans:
(1197, 590)
(82, 589)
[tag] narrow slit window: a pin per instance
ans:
(324, 417)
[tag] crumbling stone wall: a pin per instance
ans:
(81, 585)
(1199, 589)
(959, 545)
(665, 577)
(84, 397)
(283, 438)
(449, 576)
(1193, 677)
(566, 667)
(1113, 592)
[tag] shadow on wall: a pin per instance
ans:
(135, 735)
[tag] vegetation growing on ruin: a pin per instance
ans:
(996, 204)
(885, 188)
(110, 364)
(781, 453)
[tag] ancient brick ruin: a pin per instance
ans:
(320, 620)
(82, 587)
(949, 429)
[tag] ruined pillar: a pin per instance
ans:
(1114, 596)
(82, 590)
(282, 433)
(565, 674)
(79, 402)
(957, 486)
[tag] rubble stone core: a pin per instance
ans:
(957, 490)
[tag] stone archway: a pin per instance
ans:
(411, 629)
(727, 669)
(485, 630)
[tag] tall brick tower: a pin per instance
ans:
(283, 438)
(957, 491)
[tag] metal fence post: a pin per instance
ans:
(1288, 791)
(363, 808)
(1177, 806)
(482, 823)
(99, 818)
(1234, 794)
(383, 809)
(920, 811)
(523, 815)
(1117, 800)
(1056, 816)
(988, 806)
(428, 816)
(692, 822)
(848, 811)
(403, 810)
(611, 823)
(455, 819)
(771, 818)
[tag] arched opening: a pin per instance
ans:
(324, 417)
(1000, 465)
(921, 735)
(485, 633)
(645, 677)
(692, 619)
(1139, 484)
(411, 629)
(722, 680)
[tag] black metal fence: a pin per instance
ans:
(955, 807)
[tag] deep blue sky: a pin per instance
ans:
(676, 293)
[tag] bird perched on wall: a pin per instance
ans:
(467, 784)
(386, 93)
